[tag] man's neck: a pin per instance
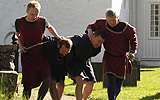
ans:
(27, 19)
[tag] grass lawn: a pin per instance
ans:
(147, 88)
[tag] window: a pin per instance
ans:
(155, 21)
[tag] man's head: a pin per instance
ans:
(64, 46)
(98, 38)
(33, 10)
(111, 17)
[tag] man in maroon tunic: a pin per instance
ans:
(120, 39)
(35, 68)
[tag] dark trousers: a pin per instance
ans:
(42, 91)
(114, 86)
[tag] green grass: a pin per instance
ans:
(5, 93)
(147, 88)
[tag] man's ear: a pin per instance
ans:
(117, 17)
(58, 45)
(27, 10)
(93, 37)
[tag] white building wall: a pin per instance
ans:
(125, 8)
(148, 49)
(122, 9)
(69, 17)
(137, 13)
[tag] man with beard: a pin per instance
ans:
(78, 64)
(55, 51)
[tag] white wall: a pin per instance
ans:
(148, 49)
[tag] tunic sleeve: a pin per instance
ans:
(76, 39)
(132, 36)
(17, 25)
(50, 48)
(46, 23)
(94, 26)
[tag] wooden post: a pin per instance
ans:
(97, 67)
(131, 79)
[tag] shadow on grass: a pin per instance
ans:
(149, 66)
(70, 84)
(153, 97)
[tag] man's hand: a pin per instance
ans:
(60, 37)
(23, 49)
(131, 56)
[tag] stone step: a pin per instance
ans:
(8, 48)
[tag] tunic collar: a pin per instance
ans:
(115, 31)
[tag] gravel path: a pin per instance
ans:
(47, 97)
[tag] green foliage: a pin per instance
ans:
(5, 92)
(7, 87)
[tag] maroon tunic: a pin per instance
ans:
(116, 46)
(35, 66)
